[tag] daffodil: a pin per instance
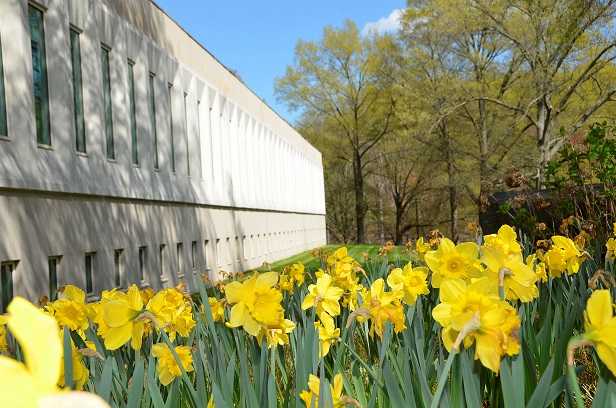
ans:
(505, 240)
(256, 303)
(538, 266)
(342, 269)
(80, 371)
(328, 333)
(610, 245)
(422, 248)
(412, 282)
(311, 396)
(518, 280)
(120, 322)
(600, 327)
(217, 307)
(323, 296)
(278, 336)
(563, 256)
(381, 307)
(167, 367)
(296, 273)
(450, 261)
(34, 384)
(3, 343)
(476, 311)
(173, 312)
(70, 309)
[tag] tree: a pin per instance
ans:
(345, 79)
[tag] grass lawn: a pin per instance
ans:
(356, 251)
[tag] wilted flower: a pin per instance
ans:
(256, 303)
(323, 296)
(452, 261)
(473, 313)
(600, 327)
(611, 249)
(412, 282)
(167, 367)
(328, 333)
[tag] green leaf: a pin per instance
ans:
(540, 395)
(68, 359)
(135, 389)
(103, 387)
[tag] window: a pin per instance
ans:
(193, 252)
(218, 253)
(237, 249)
(152, 98)
(90, 260)
(142, 261)
(180, 251)
(118, 272)
(107, 104)
(186, 134)
(3, 125)
(133, 118)
(40, 90)
(53, 263)
(6, 284)
(206, 245)
(162, 259)
(169, 88)
(80, 128)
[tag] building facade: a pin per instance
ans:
(129, 154)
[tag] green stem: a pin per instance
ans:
(574, 387)
(443, 379)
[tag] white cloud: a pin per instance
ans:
(383, 25)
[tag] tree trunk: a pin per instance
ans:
(360, 205)
(398, 223)
(543, 139)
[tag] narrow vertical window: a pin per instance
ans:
(90, 258)
(186, 134)
(206, 244)
(52, 263)
(107, 105)
(193, 252)
(79, 122)
(152, 104)
(133, 118)
(40, 88)
(180, 254)
(3, 125)
(6, 284)
(169, 88)
(142, 262)
(162, 259)
(118, 271)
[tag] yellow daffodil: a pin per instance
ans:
(3, 343)
(278, 336)
(70, 309)
(296, 273)
(80, 371)
(173, 312)
(342, 268)
(210, 402)
(563, 256)
(328, 333)
(600, 327)
(167, 367)
(476, 311)
(323, 296)
(611, 249)
(285, 283)
(34, 384)
(217, 307)
(146, 294)
(120, 320)
(422, 248)
(412, 282)
(311, 396)
(381, 306)
(517, 278)
(450, 261)
(506, 240)
(256, 303)
(538, 266)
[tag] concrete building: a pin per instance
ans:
(129, 154)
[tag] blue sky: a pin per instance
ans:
(257, 38)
